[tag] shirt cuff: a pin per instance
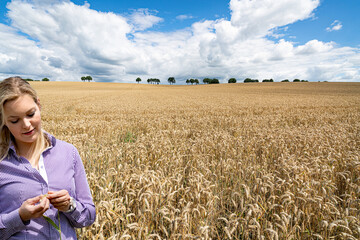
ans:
(13, 221)
(75, 213)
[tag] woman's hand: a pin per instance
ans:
(33, 208)
(59, 199)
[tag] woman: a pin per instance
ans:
(39, 174)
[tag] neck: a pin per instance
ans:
(27, 151)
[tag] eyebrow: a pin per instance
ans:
(27, 112)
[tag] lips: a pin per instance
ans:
(29, 132)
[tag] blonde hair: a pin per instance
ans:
(11, 89)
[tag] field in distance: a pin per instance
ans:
(228, 161)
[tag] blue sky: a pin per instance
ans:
(346, 12)
(168, 9)
(317, 40)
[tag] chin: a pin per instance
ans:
(32, 138)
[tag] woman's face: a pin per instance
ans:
(22, 117)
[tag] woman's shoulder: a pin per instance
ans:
(57, 143)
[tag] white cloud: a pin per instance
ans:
(335, 26)
(64, 41)
(314, 46)
(282, 50)
(143, 19)
(257, 18)
(184, 17)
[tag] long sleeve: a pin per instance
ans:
(11, 176)
(84, 213)
(10, 223)
(19, 181)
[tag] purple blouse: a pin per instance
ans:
(20, 181)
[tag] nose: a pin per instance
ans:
(26, 123)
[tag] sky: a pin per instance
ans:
(119, 41)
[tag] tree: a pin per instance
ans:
(268, 80)
(187, 81)
(211, 81)
(153, 80)
(206, 80)
(89, 78)
(196, 81)
(45, 80)
(249, 80)
(214, 81)
(171, 80)
(138, 80)
(232, 80)
(296, 80)
(285, 80)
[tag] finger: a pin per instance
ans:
(51, 194)
(57, 194)
(60, 199)
(34, 200)
(29, 209)
(46, 206)
(62, 207)
(44, 201)
(61, 204)
(37, 210)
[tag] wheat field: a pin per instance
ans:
(228, 161)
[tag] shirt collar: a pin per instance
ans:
(12, 146)
(48, 136)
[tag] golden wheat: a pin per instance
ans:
(229, 161)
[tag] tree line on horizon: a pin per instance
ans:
(31, 80)
(171, 80)
(84, 78)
